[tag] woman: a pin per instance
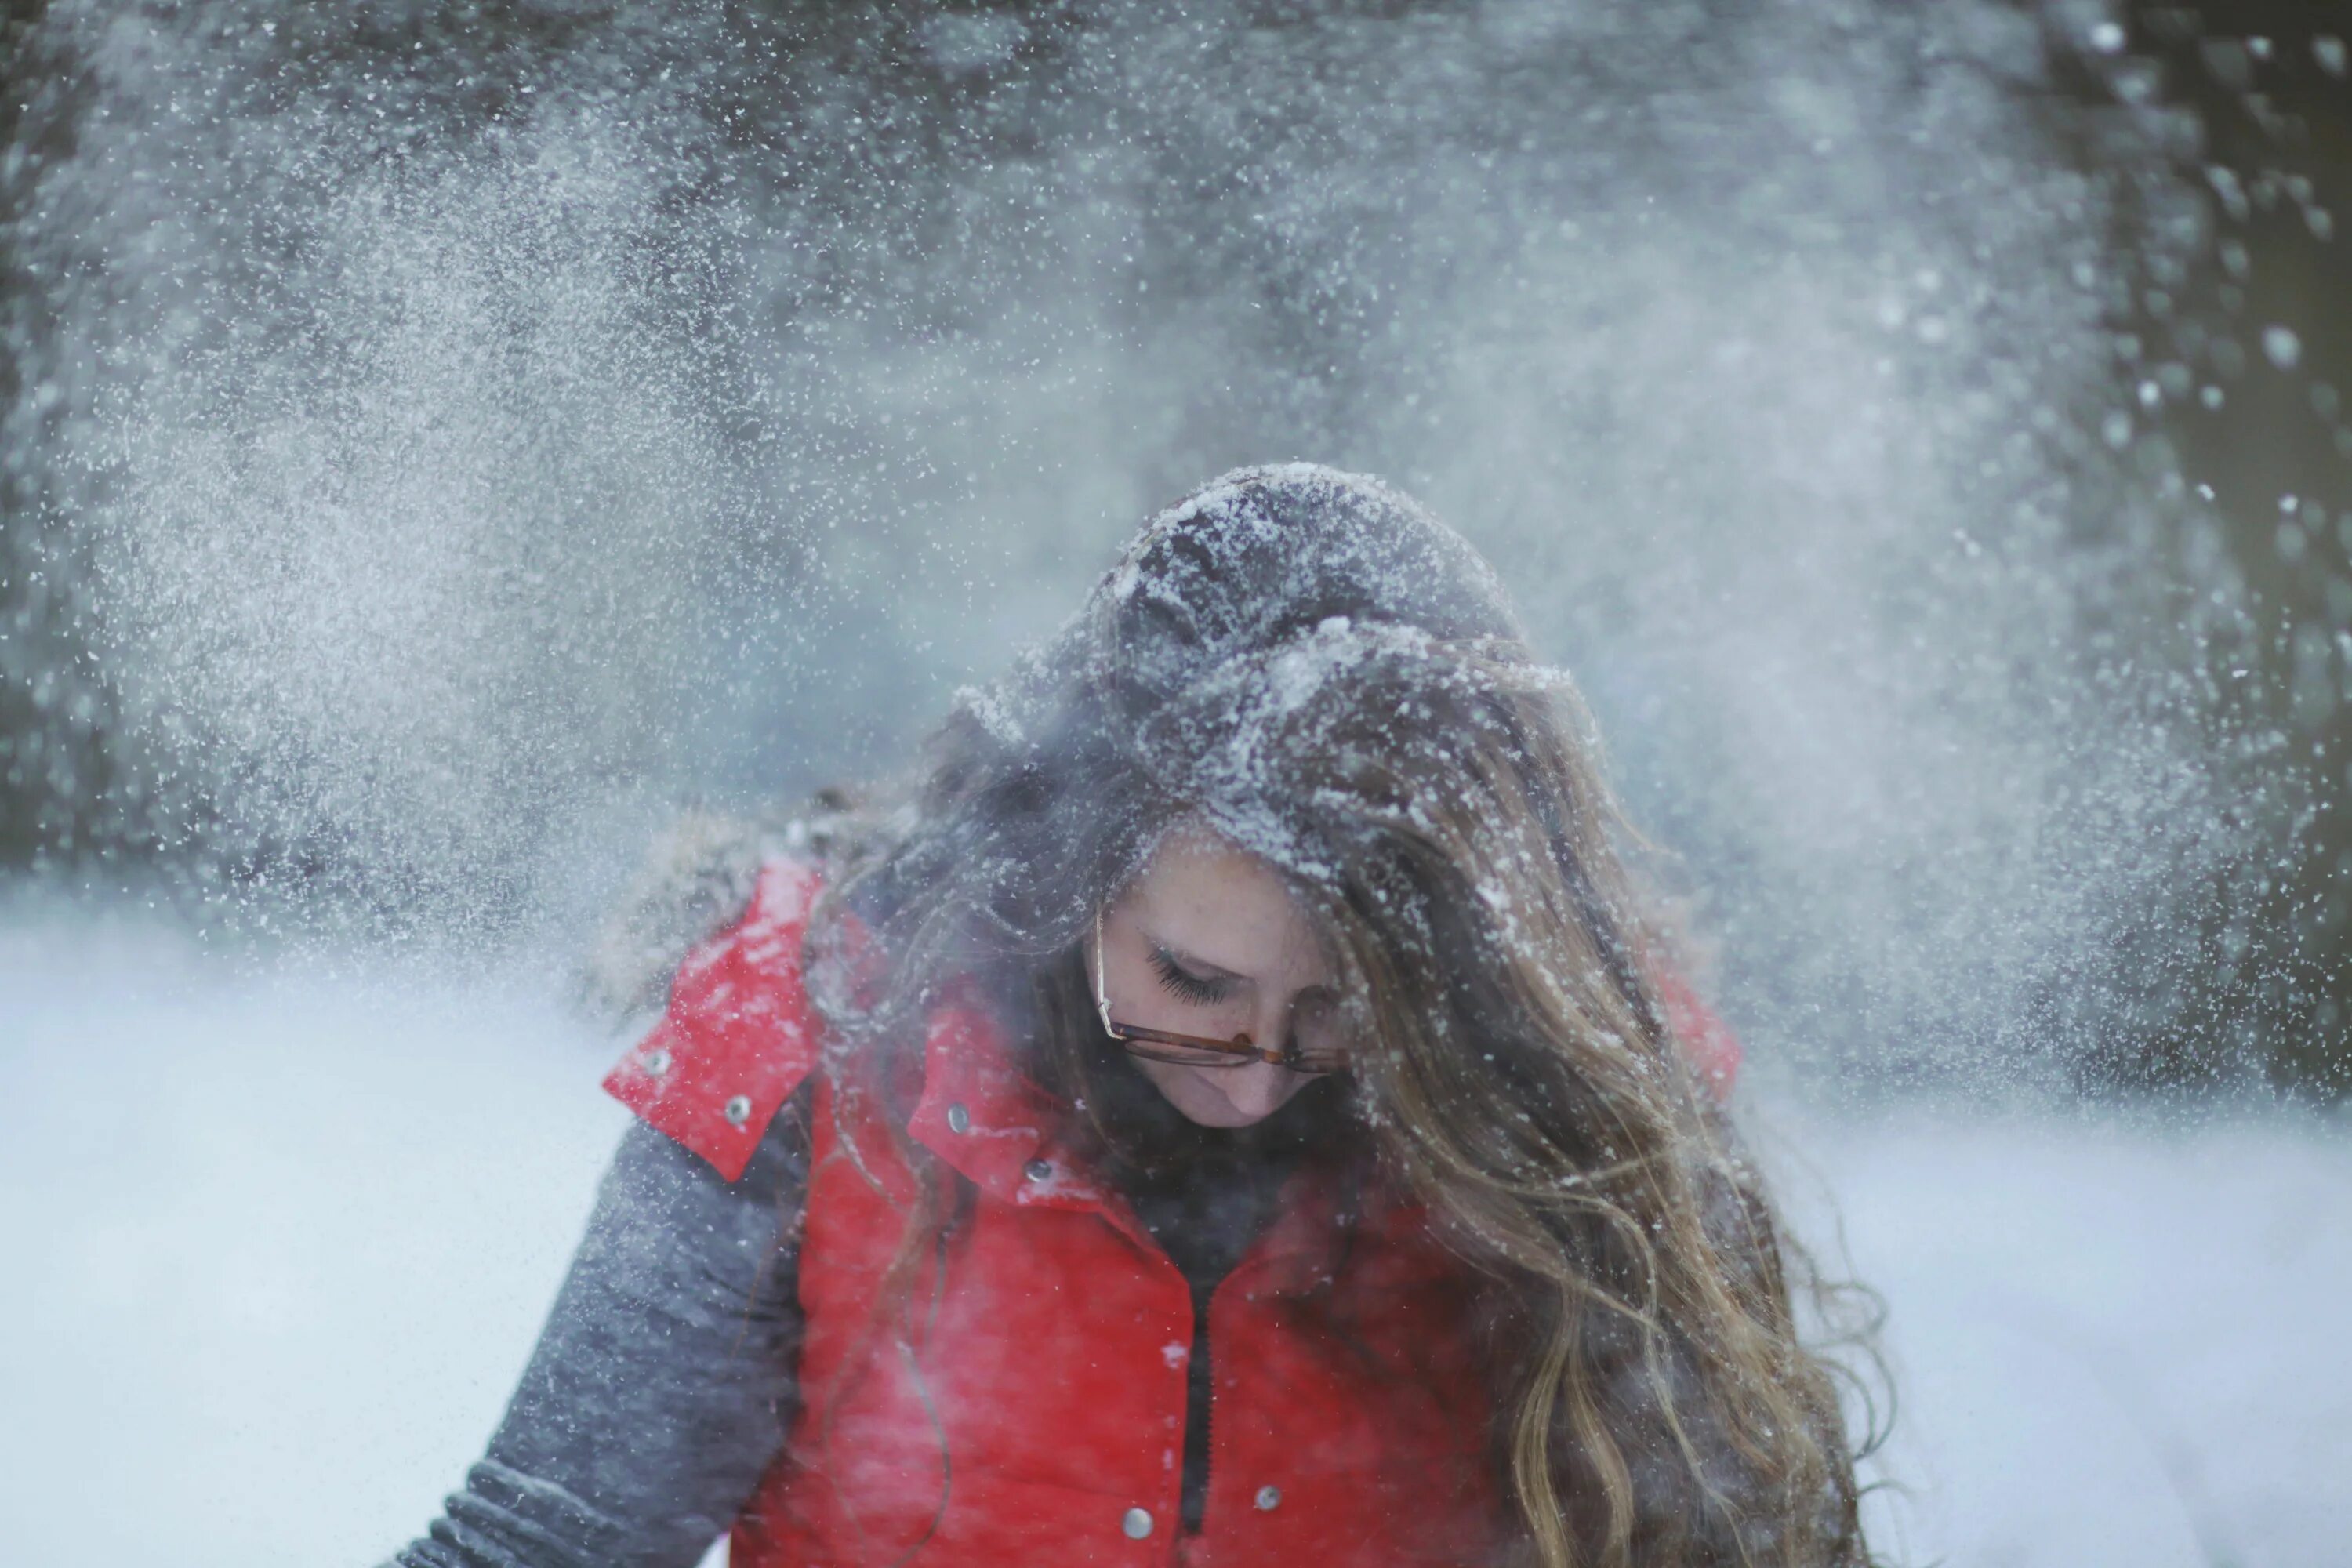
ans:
(1234, 1113)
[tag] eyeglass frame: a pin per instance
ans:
(1238, 1051)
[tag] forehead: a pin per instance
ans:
(1225, 906)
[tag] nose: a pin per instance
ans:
(1256, 1090)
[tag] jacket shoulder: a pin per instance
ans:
(739, 1035)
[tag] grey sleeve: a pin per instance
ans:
(663, 1384)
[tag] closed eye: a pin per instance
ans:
(1182, 983)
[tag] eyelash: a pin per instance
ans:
(1190, 987)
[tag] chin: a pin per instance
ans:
(1220, 1115)
(1208, 1108)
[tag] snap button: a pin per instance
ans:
(1138, 1523)
(1038, 1169)
(656, 1062)
(1269, 1497)
(739, 1109)
(959, 1118)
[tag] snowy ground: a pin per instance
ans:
(276, 1246)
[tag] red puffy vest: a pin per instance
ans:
(1034, 1415)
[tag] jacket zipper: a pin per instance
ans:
(1200, 1395)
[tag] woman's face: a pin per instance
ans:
(1208, 941)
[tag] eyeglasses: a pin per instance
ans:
(1201, 1050)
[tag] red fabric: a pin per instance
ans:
(1707, 1041)
(1048, 1363)
(1040, 1396)
(739, 1035)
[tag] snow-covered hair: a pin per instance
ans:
(1221, 623)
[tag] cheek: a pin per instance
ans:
(1176, 1083)
(1222, 1098)
(1187, 1086)
(1189, 1089)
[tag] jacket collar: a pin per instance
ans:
(994, 1124)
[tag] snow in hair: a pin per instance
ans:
(1256, 558)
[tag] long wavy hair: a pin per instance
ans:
(1309, 664)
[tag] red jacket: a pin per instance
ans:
(1036, 1418)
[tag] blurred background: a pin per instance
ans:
(439, 440)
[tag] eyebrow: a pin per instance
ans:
(1194, 960)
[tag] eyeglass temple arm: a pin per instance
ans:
(1101, 978)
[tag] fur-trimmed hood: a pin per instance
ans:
(697, 878)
